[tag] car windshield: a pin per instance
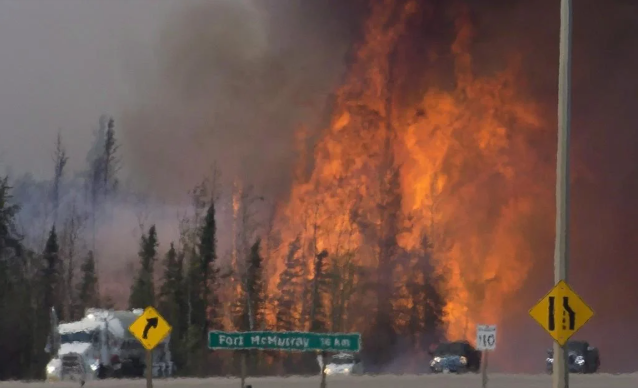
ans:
(451, 348)
(342, 360)
(576, 346)
(79, 336)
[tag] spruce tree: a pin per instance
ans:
(18, 297)
(87, 287)
(172, 298)
(60, 159)
(110, 160)
(434, 301)
(143, 288)
(289, 287)
(172, 282)
(172, 301)
(320, 290)
(9, 237)
(51, 273)
(208, 285)
(202, 287)
(253, 297)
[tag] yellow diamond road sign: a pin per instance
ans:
(150, 328)
(561, 312)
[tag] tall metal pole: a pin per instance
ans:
(560, 376)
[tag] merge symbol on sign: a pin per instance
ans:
(564, 304)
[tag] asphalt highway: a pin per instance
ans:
(382, 381)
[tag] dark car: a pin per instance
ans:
(455, 357)
(581, 358)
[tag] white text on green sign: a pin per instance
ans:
(286, 340)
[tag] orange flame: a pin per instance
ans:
(465, 172)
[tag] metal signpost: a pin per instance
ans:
(150, 329)
(485, 342)
(560, 375)
(288, 341)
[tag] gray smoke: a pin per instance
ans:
(236, 79)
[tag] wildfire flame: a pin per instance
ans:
(465, 176)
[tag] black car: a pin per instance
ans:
(455, 357)
(581, 358)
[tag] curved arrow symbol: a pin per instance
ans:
(150, 322)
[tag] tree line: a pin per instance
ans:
(192, 285)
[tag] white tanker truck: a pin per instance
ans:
(100, 346)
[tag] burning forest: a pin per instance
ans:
(411, 215)
(422, 193)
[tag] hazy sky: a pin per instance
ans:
(65, 62)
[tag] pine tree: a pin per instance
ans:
(209, 286)
(203, 286)
(17, 296)
(94, 176)
(51, 279)
(172, 302)
(143, 289)
(289, 287)
(320, 290)
(9, 237)
(87, 287)
(101, 177)
(253, 298)
(382, 333)
(424, 324)
(171, 296)
(434, 301)
(344, 275)
(60, 160)
(110, 160)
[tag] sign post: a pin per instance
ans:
(243, 369)
(485, 341)
(323, 370)
(150, 329)
(560, 375)
(149, 369)
(288, 341)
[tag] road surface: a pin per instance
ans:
(384, 381)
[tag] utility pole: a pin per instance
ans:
(560, 375)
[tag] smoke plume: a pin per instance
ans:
(236, 79)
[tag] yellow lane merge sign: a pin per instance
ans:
(561, 312)
(150, 328)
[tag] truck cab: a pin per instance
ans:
(100, 346)
(83, 350)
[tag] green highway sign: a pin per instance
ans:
(291, 341)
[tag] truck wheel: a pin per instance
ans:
(101, 372)
(116, 373)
